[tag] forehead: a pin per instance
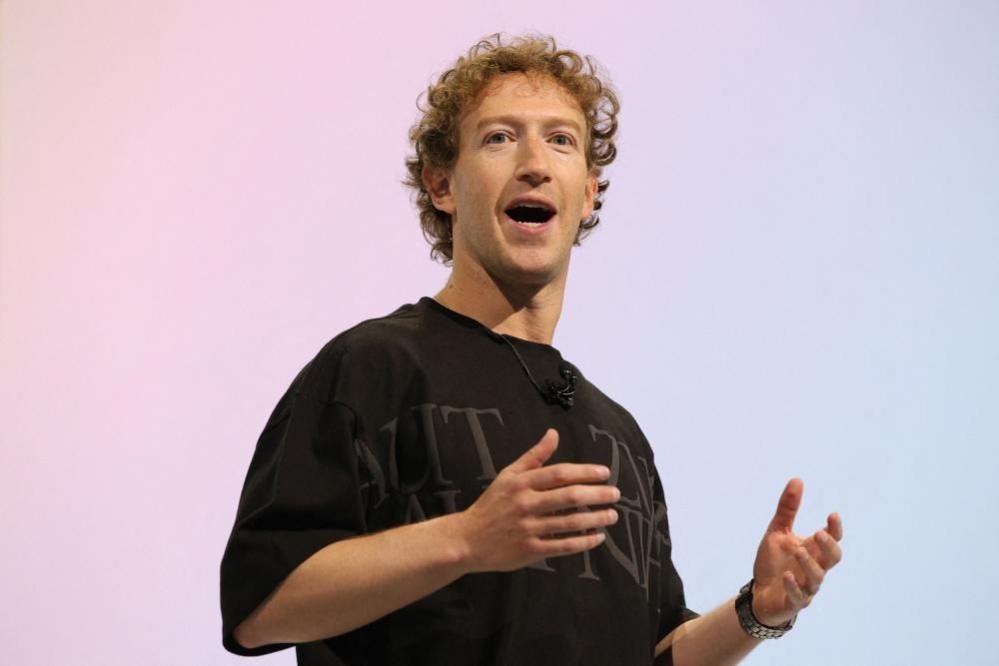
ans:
(511, 92)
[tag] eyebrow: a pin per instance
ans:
(549, 121)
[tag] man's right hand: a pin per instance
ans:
(353, 582)
(510, 525)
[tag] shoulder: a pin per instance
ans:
(363, 352)
(392, 332)
(606, 402)
(623, 421)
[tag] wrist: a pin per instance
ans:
(457, 545)
(763, 617)
(767, 626)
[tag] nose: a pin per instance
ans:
(532, 162)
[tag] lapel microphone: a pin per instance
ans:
(562, 394)
(554, 394)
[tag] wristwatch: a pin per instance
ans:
(752, 626)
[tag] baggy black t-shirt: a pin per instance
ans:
(410, 416)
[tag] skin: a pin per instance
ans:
(515, 285)
(789, 569)
(511, 282)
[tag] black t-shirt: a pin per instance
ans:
(410, 416)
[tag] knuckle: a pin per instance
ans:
(517, 482)
(523, 526)
(534, 546)
(569, 546)
(521, 504)
(566, 524)
(597, 518)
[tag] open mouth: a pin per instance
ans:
(530, 214)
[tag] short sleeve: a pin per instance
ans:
(302, 492)
(673, 603)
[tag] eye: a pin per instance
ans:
(567, 137)
(488, 138)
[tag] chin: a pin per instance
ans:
(534, 270)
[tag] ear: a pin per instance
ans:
(438, 184)
(591, 194)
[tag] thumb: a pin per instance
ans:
(537, 455)
(787, 506)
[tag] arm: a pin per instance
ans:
(355, 581)
(715, 638)
(787, 573)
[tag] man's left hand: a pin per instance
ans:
(789, 569)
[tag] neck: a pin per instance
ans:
(529, 312)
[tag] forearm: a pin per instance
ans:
(355, 581)
(713, 639)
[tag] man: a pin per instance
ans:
(438, 485)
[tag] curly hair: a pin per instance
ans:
(435, 135)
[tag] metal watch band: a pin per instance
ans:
(752, 626)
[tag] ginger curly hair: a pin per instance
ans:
(435, 135)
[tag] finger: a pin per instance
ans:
(564, 474)
(568, 497)
(794, 593)
(835, 526)
(813, 572)
(566, 546)
(575, 522)
(823, 546)
(787, 506)
(537, 455)
(831, 551)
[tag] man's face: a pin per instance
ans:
(526, 138)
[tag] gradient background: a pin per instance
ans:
(796, 274)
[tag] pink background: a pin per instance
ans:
(795, 274)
